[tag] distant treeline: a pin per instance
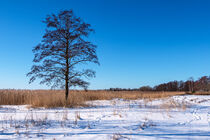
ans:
(191, 85)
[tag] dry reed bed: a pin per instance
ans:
(201, 93)
(56, 98)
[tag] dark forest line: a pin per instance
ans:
(190, 85)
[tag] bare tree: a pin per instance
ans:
(191, 84)
(63, 49)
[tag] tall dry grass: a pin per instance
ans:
(201, 93)
(56, 98)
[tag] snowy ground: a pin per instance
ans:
(178, 117)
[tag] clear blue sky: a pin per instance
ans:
(140, 42)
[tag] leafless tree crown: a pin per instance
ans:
(64, 47)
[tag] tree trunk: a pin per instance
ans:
(67, 89)
(67, 71)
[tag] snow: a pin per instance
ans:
(177, 117)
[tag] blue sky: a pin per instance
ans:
(139, 42)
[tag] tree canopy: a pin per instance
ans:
(64, 47)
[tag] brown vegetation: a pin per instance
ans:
(56, 98)
(201, 93)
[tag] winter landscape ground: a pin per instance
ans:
(176, 117)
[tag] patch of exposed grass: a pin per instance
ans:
(170, 103)
(201, 93)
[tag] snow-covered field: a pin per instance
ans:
(178, 117)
